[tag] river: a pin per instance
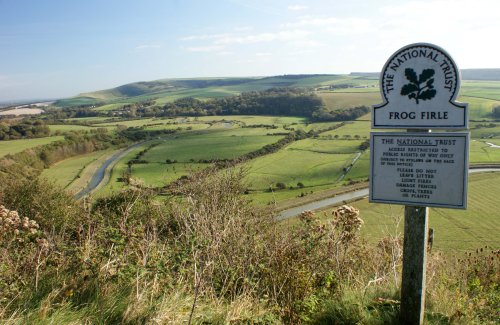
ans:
(98, 176)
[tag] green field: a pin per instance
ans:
(337, 100)
(131, 123)
(479, 108)
(65, 172)
(190, 152)
(91, 119)
(108, 107)
(481, 89)
(351, 130)
(469, 229)
(69, 127)
(15, 146)
(115, 184)
(480, 152)
(218, 145)
(479, 131)
(253, 120)
(295, 164)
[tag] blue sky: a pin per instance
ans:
(59, 48)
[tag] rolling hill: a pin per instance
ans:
(203, 88)
(165, 90)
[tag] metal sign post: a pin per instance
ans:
(419, 85)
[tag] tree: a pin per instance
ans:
(280, 186)
(414, 89)
(496, 112)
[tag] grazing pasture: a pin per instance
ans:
(65, 172)
(15, 146)
(338, 100)
(476, 227)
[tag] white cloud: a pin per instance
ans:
(297, 7)
(263, 37)
(209, 48)
(345, 26)
(243, 28)
(204, 37)
(147, 46)
(225, 53)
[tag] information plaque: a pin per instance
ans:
(421, 169)
(419, 85)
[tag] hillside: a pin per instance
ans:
(167, 89)
(481, 74)
(467, 74)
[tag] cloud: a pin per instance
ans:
(297, 7)
(225, 53)
(220, 42)
(147, 46)
(345, 26)
(243, 28)
(204, 37)
(287, 35)
(209, 48)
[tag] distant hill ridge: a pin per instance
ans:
(467, 74)
(208, 87)
(162, 85)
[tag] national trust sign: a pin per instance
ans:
(419, 84)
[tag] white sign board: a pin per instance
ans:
(421, 169)
(419, 84)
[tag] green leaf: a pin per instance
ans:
(428, 94)
(426, 74)
(430, 83)
(411, 75)
(408, 89)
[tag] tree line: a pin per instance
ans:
(275, 101)
(23, 130)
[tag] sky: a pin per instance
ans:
(60, 48)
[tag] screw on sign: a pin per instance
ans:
(419, 85)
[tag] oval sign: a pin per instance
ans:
(419, 85)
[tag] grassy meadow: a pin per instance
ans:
(338, 100)
(193, 151)
(15, 146)
(74, 173)
(454, 230)
(69, 127)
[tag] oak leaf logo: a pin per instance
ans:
(420, 88)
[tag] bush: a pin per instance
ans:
(496, 112)
(280, 186)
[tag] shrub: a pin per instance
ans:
(280, 186)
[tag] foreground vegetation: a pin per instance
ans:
(185, 230)
(207, 256)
